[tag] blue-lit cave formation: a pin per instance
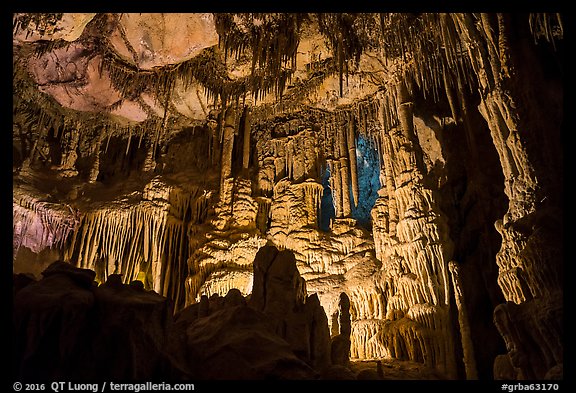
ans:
(368, 165)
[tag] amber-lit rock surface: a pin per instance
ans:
(372, 187)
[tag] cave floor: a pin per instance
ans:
(395, 369)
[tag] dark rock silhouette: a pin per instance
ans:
(67, 327)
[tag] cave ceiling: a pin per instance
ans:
(157, 71)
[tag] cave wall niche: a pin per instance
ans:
(409, 164)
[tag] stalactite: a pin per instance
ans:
(246, 140)
(37, 143)
(468, 128)
(69, 157)
(312, 195)
(345, 186)
(95, 168)
(390, 186)
(39, 224)
(128, 141)
(263, 213)
(448, 88)
(365, 342)
(149, 162)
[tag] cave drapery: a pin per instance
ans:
(410, 161)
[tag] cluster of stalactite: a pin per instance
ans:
(36, 115)
(43, 22)
(437, 59)
(347, 39)
(343, 170)
(145, 241)
(40, 224)
(272, 40)
(208, 69)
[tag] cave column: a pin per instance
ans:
(351, 142)
(509, 74)
(467, 345)
(414, 243)
(344, 170)
(388, 183)
(345, 187)
(405, 110)
(226, 161)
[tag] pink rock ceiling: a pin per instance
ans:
(155, 40)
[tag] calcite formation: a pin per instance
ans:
(348, 186)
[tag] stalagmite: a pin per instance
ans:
(344, 315)
(467, 344)
(340, 349)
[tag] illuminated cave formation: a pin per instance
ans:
(304, 196)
